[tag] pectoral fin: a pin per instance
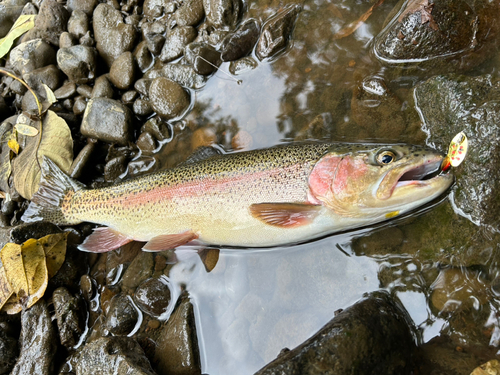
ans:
(286, 215)
(104, 239)
(169, 241)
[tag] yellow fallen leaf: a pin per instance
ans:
(27, 269)
(13, 145)
(5, 288)
(22, 25)
(12, 261)
(35, 269)
(54, 246)
(51, 97)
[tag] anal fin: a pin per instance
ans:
(169, 241)
(104, 239)
(285, 215)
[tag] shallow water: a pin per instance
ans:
(257, 302)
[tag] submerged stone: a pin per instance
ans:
(373, 336)
(241, 42)
(168, 98)
(449, 35)
(451, 104)
(277, 32)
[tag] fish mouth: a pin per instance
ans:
(422, 174)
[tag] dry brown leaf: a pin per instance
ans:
(54, 246)
(5, 288)
(55, 142)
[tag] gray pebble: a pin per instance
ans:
(142, 107)
(122, 71)
(67, 40)
(122, 315)
(107, 120)
(190, 13)
(78, 23)
(86, 6)
(102, 88)
(143, 56)
(146, 142)
(79, 105)
(177, 40)
(49, 75)
(78, 63)
(153, 34)
(112, 35)
(31, 55)
(168, 98)
(85, 91)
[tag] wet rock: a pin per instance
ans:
(157, 128)
(122, 316)
(67, 310)
(445, 35)
(112, 355)
(139, 270)
(107, 120)
(50, 22)
(143, 56)
(177, 39)
(153, 296)
(372, 336)
(78, 23)
(65, 91)
(143, 107)
(450, 104)
(222, 13)
(190, 13)
(31, 55)
(10, 10)
(86, 6)
(242, 65)
(129, 97)
(146, 142)
(67, 40)
(87, 40)
(153, 34)
(49, 75)
(78, 63)
(114, 168)
(204, 58)
(184, 75)
(155, 8)
(9, 349)
(37, 229)
(177, 350)
(85, 91)
(81, 161)
(377, 110)
(79, 106)
(102, 88)
(112, 35)
(168, 98)
(122, 71)
(75, 265)
(277, 32)
(38, 342)
(241, 42)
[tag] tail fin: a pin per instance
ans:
(47, 201)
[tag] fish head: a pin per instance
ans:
(378, 181)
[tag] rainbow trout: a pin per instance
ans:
(276, 196)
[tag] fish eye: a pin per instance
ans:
(386, 157)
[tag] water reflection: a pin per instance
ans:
(256, 302)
